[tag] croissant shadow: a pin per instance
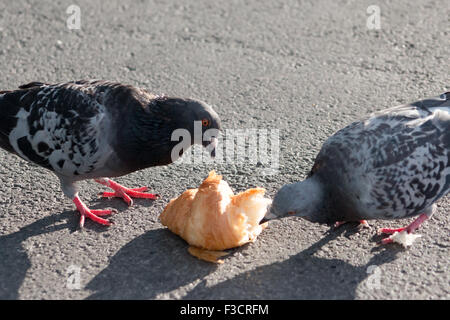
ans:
(303, 276)
(153, 263)
(14, 261)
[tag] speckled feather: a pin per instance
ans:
(62, 127)
(394, 165)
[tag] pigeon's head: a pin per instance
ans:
(203, 124)
(298, 199)
(193, 121)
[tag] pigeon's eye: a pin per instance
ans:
(205, 122)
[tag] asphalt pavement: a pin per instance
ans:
(301, 69)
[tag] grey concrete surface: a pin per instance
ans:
(306, 68)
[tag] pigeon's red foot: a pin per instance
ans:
(362, 224)
(94, 215)
(125, 193)
(409, 229)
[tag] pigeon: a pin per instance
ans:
(95, 129)
(393, 165)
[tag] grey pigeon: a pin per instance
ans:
(92, 129)
(395, 164)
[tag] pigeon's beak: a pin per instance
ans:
(211, 147)
(269, 215)
(214, 143)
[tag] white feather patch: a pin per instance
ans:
(19, 131)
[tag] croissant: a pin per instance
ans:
(212, 218)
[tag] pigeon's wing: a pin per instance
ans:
(411, 167)
(60, 127)
(397, 162)
(401, 130)
(34, 84)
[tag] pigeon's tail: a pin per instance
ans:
(4, 143)
(31, 85)
(9, 106)
(430, 105)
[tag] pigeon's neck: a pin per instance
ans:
(146, 141)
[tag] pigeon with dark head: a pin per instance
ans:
(94, 129)
(395, 164)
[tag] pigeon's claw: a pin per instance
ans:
(91, 214)
(386, 240)
(409, 229)
(100, 213)
(125, 193)
(119, 193)
(390, 231)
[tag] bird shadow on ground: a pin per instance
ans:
(116, 204)
(302, 276)
(14, 261)
(153, 263)
(119, 204)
